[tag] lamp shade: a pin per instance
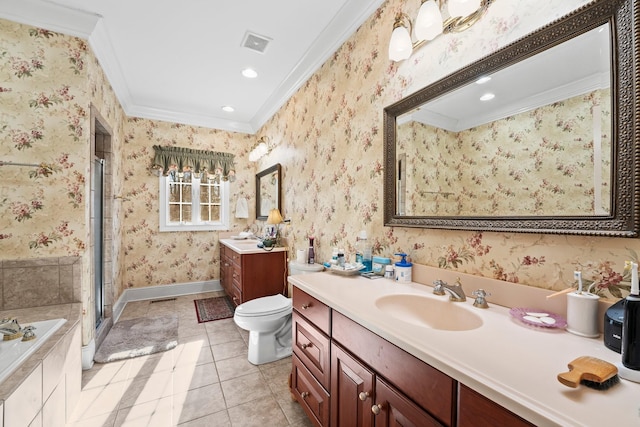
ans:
(429, 21)
(275, 217)
(400, 46)
(463, 7)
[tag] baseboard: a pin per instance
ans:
(162, 291)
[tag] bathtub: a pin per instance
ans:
(15, 352)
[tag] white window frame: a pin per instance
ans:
(195, 224)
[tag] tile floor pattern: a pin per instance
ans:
(206, 381)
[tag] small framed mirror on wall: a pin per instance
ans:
(268, 191)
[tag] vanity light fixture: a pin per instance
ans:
(430, 22)
(261, 148)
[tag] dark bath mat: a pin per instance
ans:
(215, 308)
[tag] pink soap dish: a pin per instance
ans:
(538, 318)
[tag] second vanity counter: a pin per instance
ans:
(513, 365)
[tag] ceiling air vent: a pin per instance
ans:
(255, 42)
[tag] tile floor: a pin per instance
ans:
(206, 381)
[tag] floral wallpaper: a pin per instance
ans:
(154, 258)
(541, 162)
(329, 141)
(327, 137)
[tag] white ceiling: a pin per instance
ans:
(181, 61)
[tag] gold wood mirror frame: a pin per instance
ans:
(268, 191)
(622, 218)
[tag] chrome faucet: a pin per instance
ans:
(10, 329)
(456, 294)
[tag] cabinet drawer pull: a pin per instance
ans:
(376, 409)
(306, 306)
(364, 395)
(305, 346)
(304, 394)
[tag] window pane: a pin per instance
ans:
(186, 193)
(209, 212)
(174, 193)
(174, 213)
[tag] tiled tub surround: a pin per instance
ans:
(40, 282)
(44, 390)
(513, 365)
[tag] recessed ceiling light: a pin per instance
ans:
(487, 97)
(250, 73)
(483, 80)
(228, 109)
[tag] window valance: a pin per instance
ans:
(167, 158)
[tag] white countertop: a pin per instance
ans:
(249, 246)
(511, 364)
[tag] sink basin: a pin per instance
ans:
(440, 314)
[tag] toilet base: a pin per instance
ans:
(264, 348)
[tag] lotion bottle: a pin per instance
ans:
(631, 324)
(403, 269)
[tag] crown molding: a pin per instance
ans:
(346, 22)
(54, 17)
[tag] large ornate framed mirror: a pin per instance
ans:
(556, 150)
(268, 191)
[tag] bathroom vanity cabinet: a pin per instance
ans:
(246, 275)
(345, 375)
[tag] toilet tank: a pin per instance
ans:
(297, 268)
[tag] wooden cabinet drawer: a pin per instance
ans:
(313, 348)
(475, 410)
(431, 389)
(315, 311)
(313, 398)
(237, 275)
(236, 294)
(235, 257)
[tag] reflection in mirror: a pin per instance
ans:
(268, 191)
(534, 137)
(530, 139)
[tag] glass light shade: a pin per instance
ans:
(400, 45)
(275, 217)
(429, 21)
(262, 149)
(463, 7)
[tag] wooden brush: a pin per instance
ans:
(590, 371)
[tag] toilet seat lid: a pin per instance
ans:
(264, 306)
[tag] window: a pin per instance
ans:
(193, 202)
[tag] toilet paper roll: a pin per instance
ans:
(301, 256)
(582, 314)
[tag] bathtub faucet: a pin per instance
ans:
(10, 328)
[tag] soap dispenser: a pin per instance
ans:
(403, 269)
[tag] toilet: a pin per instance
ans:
(268, 320)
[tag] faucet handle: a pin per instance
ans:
(438, 287)
(480, 301)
